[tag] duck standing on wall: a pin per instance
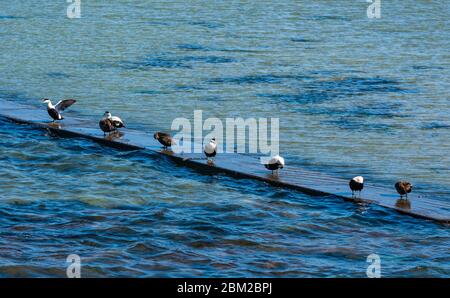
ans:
(356, 184)
(275, 163)
(210, 149)
(110, 123)
(403, 188)
(164, 138)
(55, 111)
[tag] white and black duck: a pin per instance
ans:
(55, 111)
(110, 123)
(356, 184)
(210, 149)
(275, 163)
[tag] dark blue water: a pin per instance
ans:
(354, 96)
(135, 214)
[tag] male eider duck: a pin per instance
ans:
(164, 138)
(210, 149)
(110, 123)
(55, 111)
(356, 184)
(403, 188)
(275, 163)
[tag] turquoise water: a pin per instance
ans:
(354, 96)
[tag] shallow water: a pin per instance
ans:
(354, 96)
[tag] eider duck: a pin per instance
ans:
(55, 111)
(356, 184)
(275, 163)
(110, 123)
(164, 138)
(210, 149)
(403, 188)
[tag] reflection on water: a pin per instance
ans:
(115, 135)
(349, 102)
(55, 125)
(403, 204)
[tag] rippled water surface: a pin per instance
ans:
(354, 96)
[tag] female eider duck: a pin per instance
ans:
(110, 123)
(55, 111)
(275, 163)
(403, 188)
(164, 138)
(356, 184)
(210, 149)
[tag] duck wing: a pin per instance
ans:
(117, 122)
(165, 139)
(64, 104)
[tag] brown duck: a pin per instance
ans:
(403, 188)
(164, 138)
